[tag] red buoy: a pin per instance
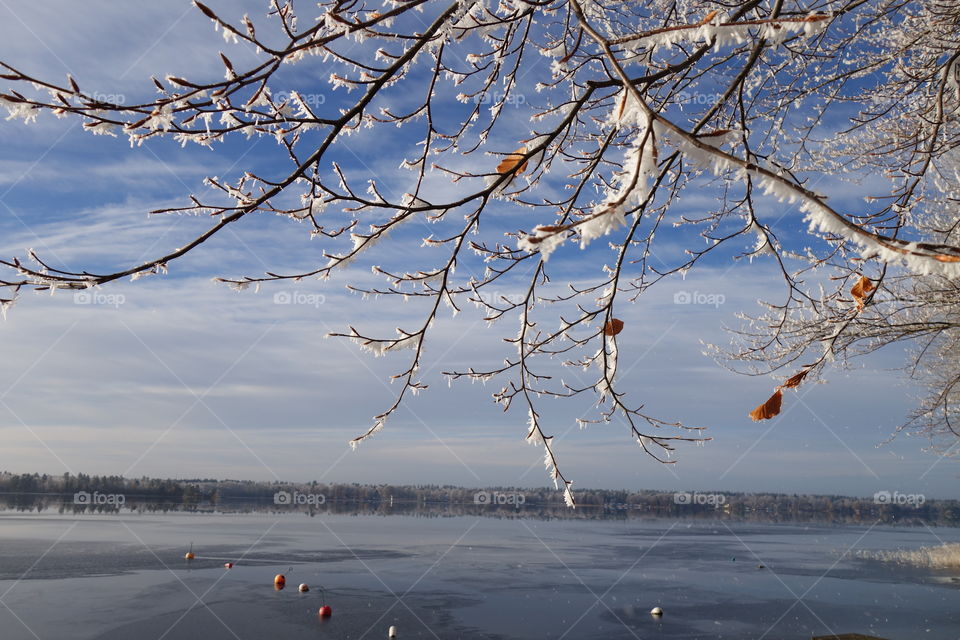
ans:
(228, 565)
(325, 611)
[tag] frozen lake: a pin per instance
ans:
(124, 576)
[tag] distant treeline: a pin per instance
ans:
(82, 493)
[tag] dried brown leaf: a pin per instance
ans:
(612, 327)
(768, 409)
(206, 10)
(622, 105)
(861, 290)
(794, 381)
(512, 160)
(226, 62)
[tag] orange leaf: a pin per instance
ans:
(860, 291)
(794, 381)
(768, 409)
(612, 327)
(622, 105)
(707, 18)
(512, 160)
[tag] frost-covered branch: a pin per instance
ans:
(516, 126)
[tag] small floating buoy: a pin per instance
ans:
(188, 555)
(279, 581)
(228, 565)
(392, 632)
(325, 611)
(656, 611)
(760, 566)
(304, 588)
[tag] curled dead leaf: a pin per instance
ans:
(794, 381)
(206, 10)
(861, 290)
(622, 105)
(512, 160)
(227, 63)
(768, 409)
(612, 327)
(707, 18)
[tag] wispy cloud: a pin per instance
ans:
(125, 380)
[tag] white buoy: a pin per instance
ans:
(392, 632)
(304, 588)
(656, 611)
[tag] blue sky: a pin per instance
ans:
(180, 376)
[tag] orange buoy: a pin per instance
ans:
(279, 581)
(304, 588)
(228, 565)
(188, 555)
(325, 611)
